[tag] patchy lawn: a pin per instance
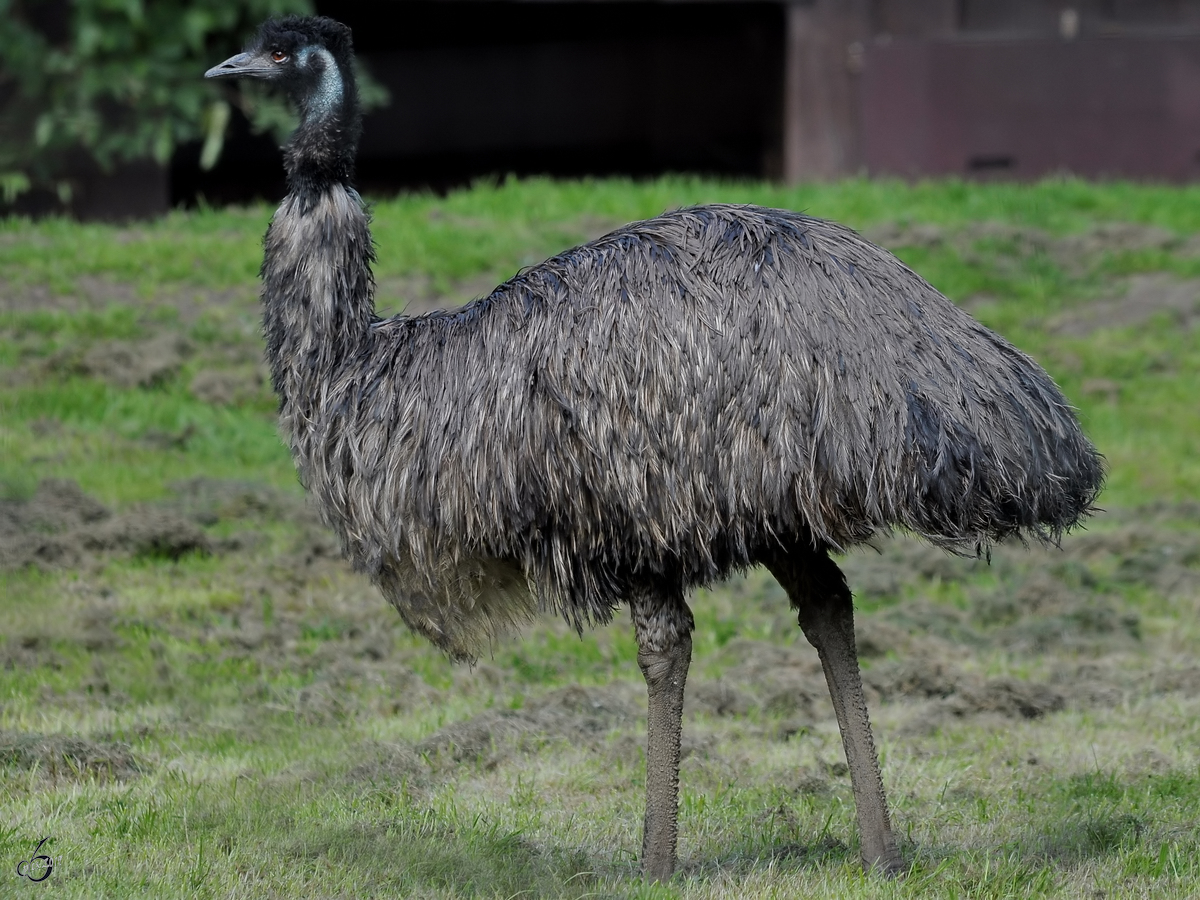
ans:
(197, 698)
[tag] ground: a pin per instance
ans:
(198, 698)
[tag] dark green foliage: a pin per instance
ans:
(114, 82)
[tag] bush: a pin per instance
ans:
(104, 82)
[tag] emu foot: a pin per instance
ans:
(658, 866)
(890, 865)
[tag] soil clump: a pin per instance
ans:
(1145, 297)
(64, 757)
(1075, 252)
(61, 526)
(128, 364)
(579, 715)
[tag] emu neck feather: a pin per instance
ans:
(326, 366)
(320, 156)
(317, 304)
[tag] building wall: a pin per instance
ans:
(1122, 106)
(988, 88)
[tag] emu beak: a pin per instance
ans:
(251, 64)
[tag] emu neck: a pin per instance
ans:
(321, 152)
(317, 302)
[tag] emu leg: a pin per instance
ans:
(822, 600)
(663, 626)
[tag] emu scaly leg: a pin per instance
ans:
(663, 626)
(822, 600)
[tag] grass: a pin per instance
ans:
(502, 225)
(255, 722)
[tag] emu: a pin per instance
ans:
(686, 397)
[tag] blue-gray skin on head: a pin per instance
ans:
(312, 60)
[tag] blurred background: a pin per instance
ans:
(103, 111)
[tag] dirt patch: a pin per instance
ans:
(793, 685)
(913, 679)
(212, 500)
(1074, 252)
(584, 716)
(1006, 697)
(89, 294)
(717, 698)
(1116, 237)
(1086, 625)
(383, 763)
(97, 293)
(125, 364)
(58, 504)
(1182, 680)
(63, 757)
(28, 652)
(921, 618)
(1145, 297)
(228, 387)
(874, 638)
(1149, 761)
(147, 532)
(1142, 297)
(225, 342)
(894, 235)
(59, 525)
(96, 629)
(781, 681)
(1035, 599)
(964, 693)
(417, 293)
(327, 701)
(922, 719)
(935, 695)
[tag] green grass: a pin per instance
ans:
(503, 225)
(255, 717)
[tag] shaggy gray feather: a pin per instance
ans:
(649, 411)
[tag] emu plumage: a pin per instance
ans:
(688, 396)
(663, 404)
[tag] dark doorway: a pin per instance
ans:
(566, 89)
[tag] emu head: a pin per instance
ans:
(309, 57)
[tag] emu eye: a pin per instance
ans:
(279, 56)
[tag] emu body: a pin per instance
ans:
(662, 406)
(715, 388)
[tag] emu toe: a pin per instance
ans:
(890, 866)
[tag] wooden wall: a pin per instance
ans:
(987, 88)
